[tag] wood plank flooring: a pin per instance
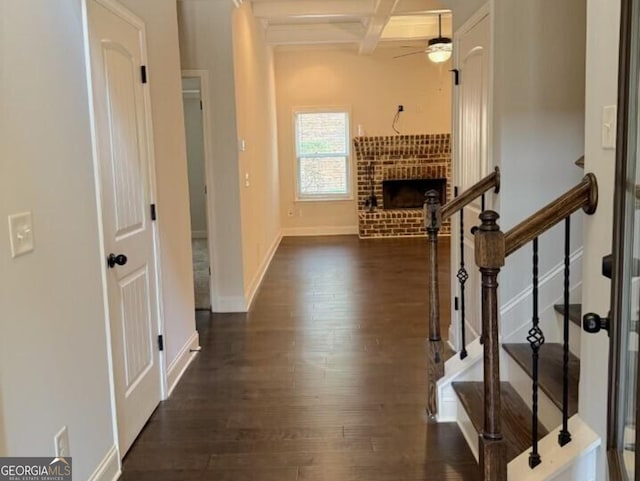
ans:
(323, 380)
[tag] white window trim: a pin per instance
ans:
(349, 196)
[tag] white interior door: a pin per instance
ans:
(122, 135)
(472, 50)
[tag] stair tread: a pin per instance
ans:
(575, 312)
(516, 416)
(549, 371)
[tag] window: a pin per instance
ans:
(322, 155)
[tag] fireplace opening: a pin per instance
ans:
(409, 193)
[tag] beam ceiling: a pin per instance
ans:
(361, 23)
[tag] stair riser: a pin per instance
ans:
(574, 339)
(468, 430)
(448, 402)
(548, 413)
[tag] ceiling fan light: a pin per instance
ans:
(439, 49)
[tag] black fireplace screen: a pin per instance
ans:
(409, 193)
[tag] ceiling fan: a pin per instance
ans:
(438, 49)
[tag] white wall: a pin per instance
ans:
(463, 10)
(256, 123)
(372, 86)
(165, 81)
(206, 43)
(538, 119)
(195, 155)
(603, 26)
(229, 44)
(53, 350)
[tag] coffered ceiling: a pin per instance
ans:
(362, 23)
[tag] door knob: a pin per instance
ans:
(593, 323)
(119, 259)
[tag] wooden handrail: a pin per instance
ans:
(491, 181)
(582, 196)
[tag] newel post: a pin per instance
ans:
(432, 221)
(490, 256)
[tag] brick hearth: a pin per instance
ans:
(426, 156)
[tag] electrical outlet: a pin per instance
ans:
(290, 212)
(61, 443)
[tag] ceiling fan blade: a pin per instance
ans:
(407, 54)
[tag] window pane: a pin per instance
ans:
(322, 133)
(323, 176)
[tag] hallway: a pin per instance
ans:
(324, 379)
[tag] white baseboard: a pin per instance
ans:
(180, 364)
(109, 468)
(319, 231)
(257, 279)
(199, 234)
(229, 304)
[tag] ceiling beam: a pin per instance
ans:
(309, 34)
(413, 27)
(408, 7)
(384, 9)
(313, 8)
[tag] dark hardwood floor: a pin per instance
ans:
(323, 380)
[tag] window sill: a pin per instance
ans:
(324, 199)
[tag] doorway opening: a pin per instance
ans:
(192, 96)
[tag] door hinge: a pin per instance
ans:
(455, 303)
(456, 76)
(143, 73)
(160, 343)
(205, 190)
(154, 214)
(201, 105)
(209, 270)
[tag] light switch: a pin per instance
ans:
(21, 234)
(242, 145)
(246, 179)
(609, 127)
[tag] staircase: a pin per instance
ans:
(517, 402)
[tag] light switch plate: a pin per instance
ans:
(21, 234)
(609, 114)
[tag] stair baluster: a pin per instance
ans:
(536, 340)
(564, 436)
(462, 276)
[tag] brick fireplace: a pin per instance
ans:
(396, 170)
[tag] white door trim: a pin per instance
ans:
(483, 12)
(119, 10)
(214, 282)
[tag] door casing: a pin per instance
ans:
(483, 13)
(203, 75)
(117, 8)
